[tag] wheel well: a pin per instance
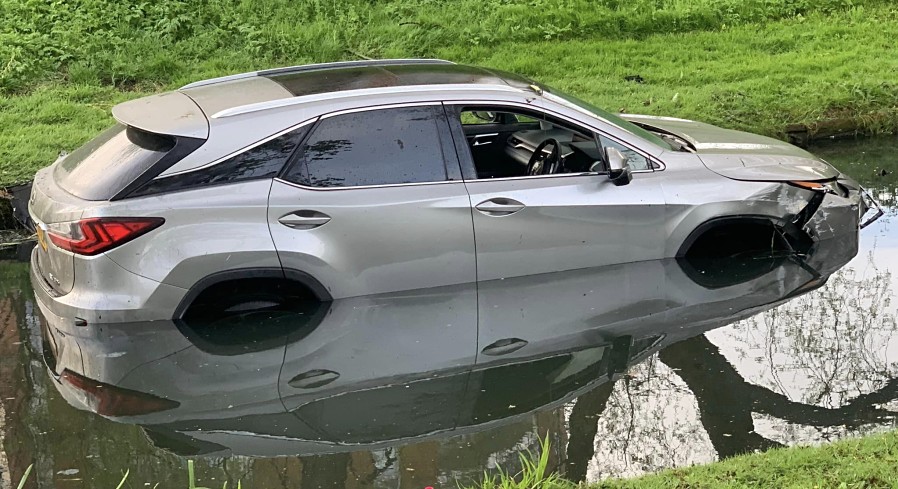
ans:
(247, 290)
(734, 236)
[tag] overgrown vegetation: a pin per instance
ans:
(534, 473)
(125, 44)
(867, 462)
(759, 65)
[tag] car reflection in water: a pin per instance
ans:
(392, 369)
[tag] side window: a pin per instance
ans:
(263, 161)
(526, 119)
(474, 117)
(507, 146)
(373, 147)
(637, 161)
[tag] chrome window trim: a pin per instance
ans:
(578, 122)
(537, 177)
(367, 108)
(356, 187)
(239, 151)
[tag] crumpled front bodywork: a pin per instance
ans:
(758, 170)
(793, 218)
(837, 215)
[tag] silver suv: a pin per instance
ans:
(346, 179)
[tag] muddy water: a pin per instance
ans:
(719, 359)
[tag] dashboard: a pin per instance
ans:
(577, 152)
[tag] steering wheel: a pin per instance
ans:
(545, 164)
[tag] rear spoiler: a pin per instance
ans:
(171, 113)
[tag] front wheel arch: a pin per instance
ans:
(732, 235)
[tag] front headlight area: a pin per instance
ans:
(833, 187)
(840, 205)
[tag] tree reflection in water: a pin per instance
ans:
(817, 368)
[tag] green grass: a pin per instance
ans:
(758, 65)
(25, 476)
(862, 463)
(191, 479)
(534, 473)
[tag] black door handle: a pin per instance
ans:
(504, 347)
(313, 379)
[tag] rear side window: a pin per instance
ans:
(104, 166)
(374, 147)
(265, 160)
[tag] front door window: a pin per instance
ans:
(518, 143)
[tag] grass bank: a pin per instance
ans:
(863, 463)
(757, 65)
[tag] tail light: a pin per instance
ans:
(96, 235)
(109, 400)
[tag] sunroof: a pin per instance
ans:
(312, 82)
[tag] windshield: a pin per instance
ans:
(592, 110)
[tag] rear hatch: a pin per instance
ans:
(49, 205)
(741, 155)
(147, 138)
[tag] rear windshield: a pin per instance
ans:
(108, 163)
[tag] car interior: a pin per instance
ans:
(515, 144)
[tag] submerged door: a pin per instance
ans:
(533, 316)
(384, 367)
(374, 203)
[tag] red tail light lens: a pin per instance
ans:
(109, 400)
(96, 235)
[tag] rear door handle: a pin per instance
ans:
(313, 379)
(499, 206)
(504, 347)
(304, 219)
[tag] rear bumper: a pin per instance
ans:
(104, 293)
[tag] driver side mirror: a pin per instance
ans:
(618, 168)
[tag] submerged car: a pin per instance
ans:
(347, 179)
(380, 370)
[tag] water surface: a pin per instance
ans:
(673, 365)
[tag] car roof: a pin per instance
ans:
(281, 85)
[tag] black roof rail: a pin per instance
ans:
(364, 63)
(317, 66)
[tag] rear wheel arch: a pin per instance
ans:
(260, 284)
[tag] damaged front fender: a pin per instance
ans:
(778, 218)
